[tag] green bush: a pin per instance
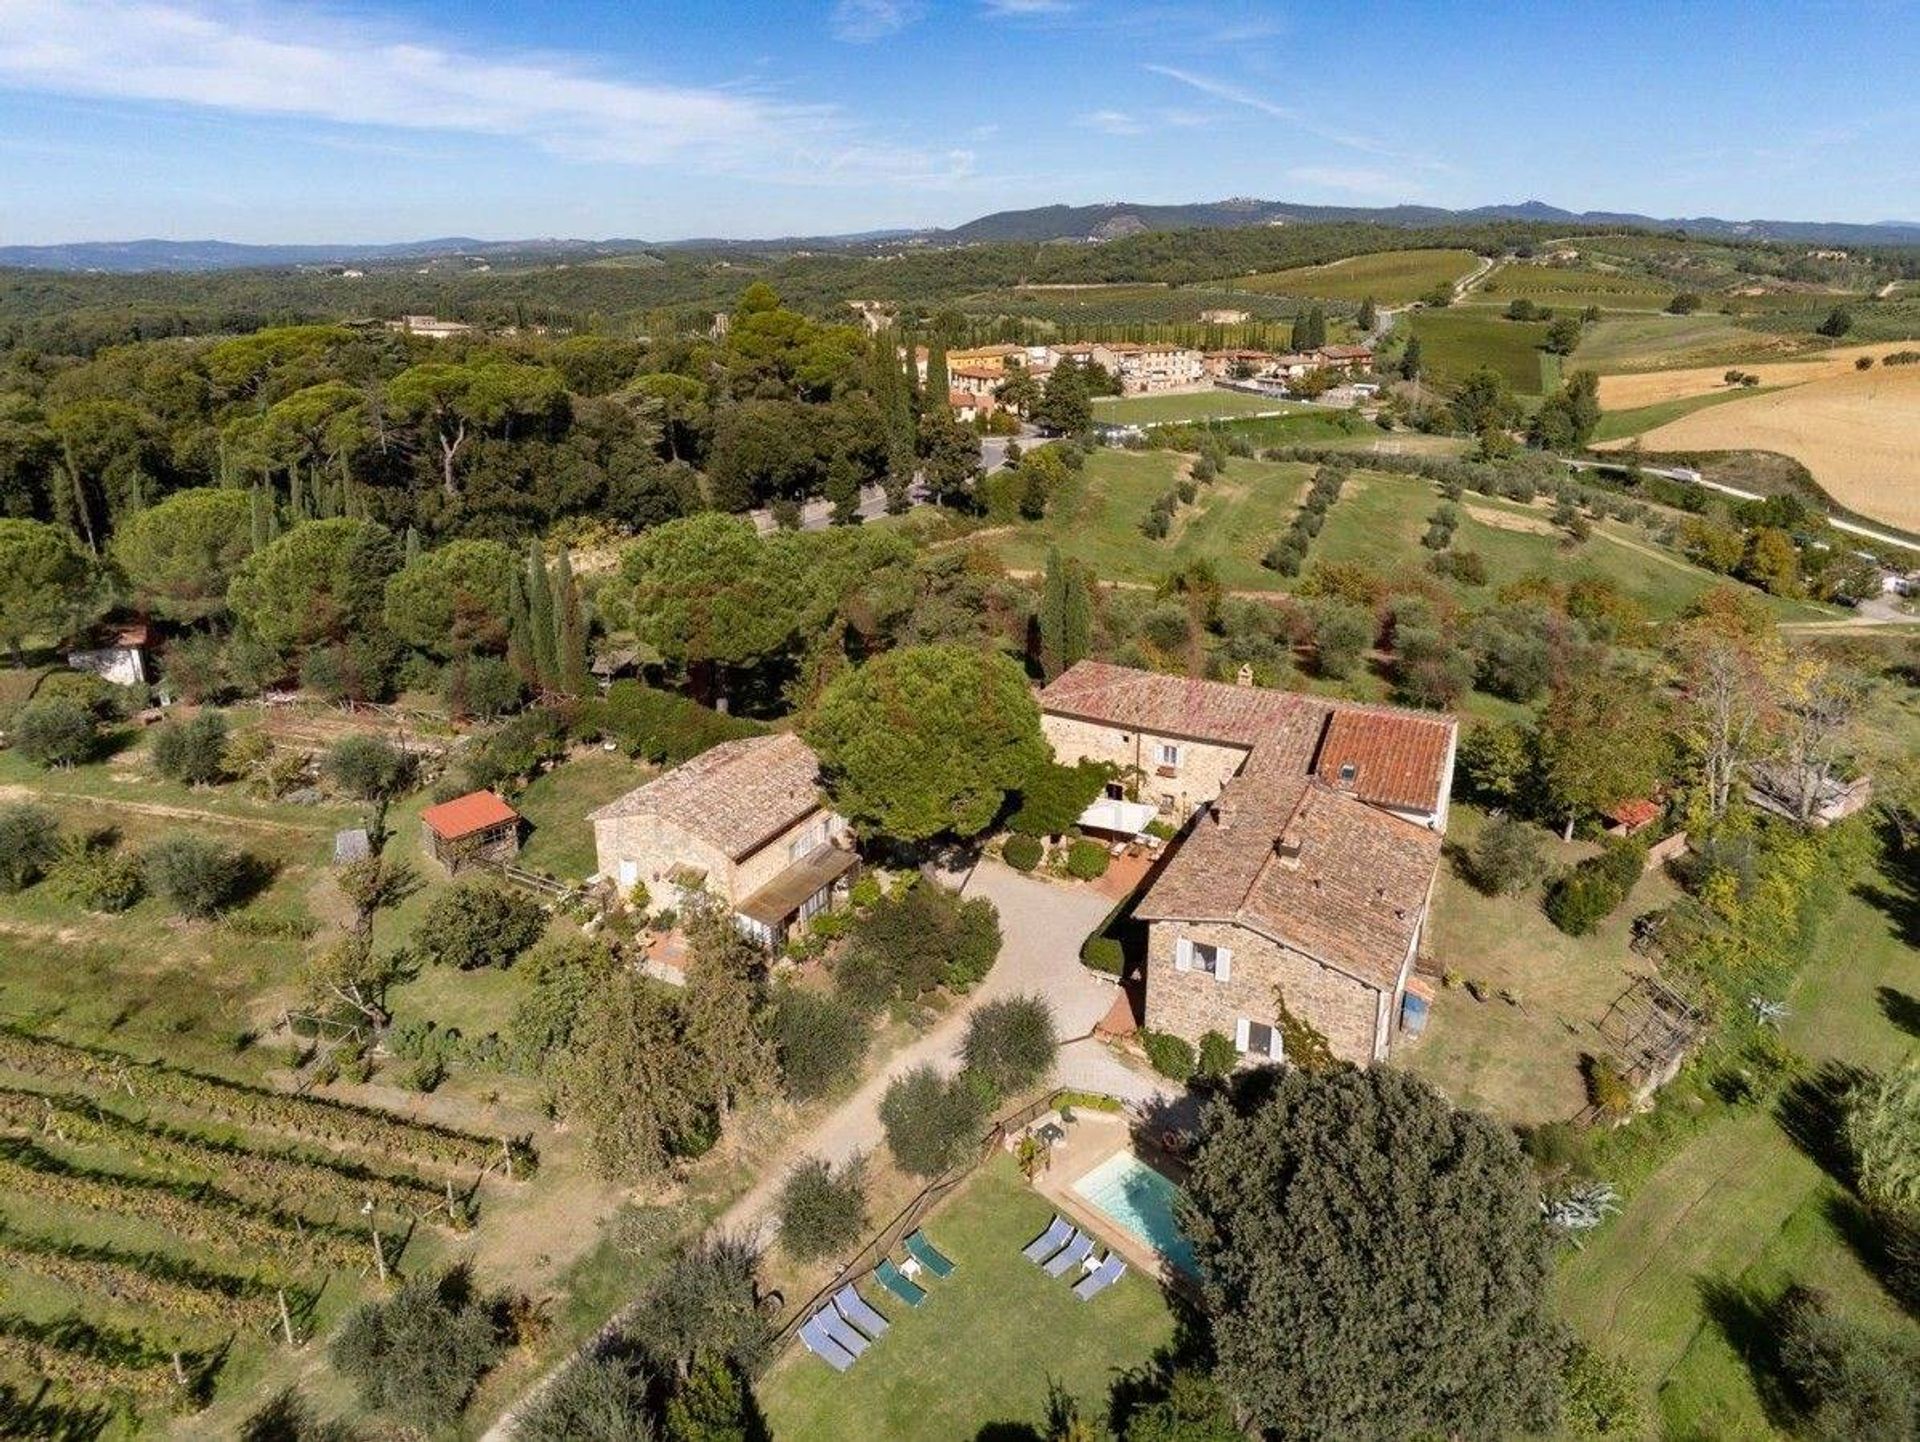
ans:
(1172, 1056)
(823, 1211)
(1052, 798)
(201, 878)
(95, 875)
(931, 1123)
(1218, 1055)
(594, 1399)
(1600, 1396)
(909, 943)
(1845, 1380)
(478, 923)
(1607, 1087)
(660, 725)
(1104, 954)
(367, 768)
(194, 752)
(1023, 853)
(1011, 1042)
(1505, 857)
(1588, 894)
(416, 1355)
(55, 732)
(29, 844)
(1087, 860)
(818, 1039)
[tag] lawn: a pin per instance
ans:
(1391, 277)
(560, 838)
(1193, 406)
(1739, 1211)
(1097, 519)
(1519, 1059)
(978, 1356)
(1460, 339)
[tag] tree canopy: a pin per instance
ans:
(321, 581)
(181, 554)
(46, 583)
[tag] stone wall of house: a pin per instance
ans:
(1191, 1003)
(656, 847)
(1204, 766)
(758, 869)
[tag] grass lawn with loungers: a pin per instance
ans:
(983, 1346)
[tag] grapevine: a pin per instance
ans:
(85, 1363)
(156, 1284)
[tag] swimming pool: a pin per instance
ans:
(1143, 1202)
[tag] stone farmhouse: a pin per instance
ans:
(743, 822)
(1145, 369)
(1300, 885)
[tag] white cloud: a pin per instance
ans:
(1251, 100)
(862, 21)
(1003, 9)
(1360, 182)
(1111, 122)
(291, 63)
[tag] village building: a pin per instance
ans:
(1355, 360)
(1227, 365)
(430, 326)
(743, 822)
(974, 380)
(1143, 369)
(1298, 891)
(1225, 317)
(477, 827)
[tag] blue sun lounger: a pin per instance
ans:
(1100, 1278)
(928, 1255)
(823, 1346)
(898, 1283)
(1049, 1241)
(854, 1308)
(1071, 1256)
(835, 1327)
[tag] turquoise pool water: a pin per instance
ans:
(1143, 1202)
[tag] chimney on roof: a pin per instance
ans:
(1288, 847)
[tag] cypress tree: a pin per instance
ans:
(570, 636)
(1076, 631)
(1317, 324)
(262, 517)
(323, 499)
(1297, 339)
(540, 618)
(938, 382)
(339, 506)
(519, 628)
(1053, 616)
(412, 546)
(296, 495)
(1368, 317)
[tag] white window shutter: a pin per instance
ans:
(1222, 963)
(1242, 1035)
(1183, 955)
(1277, 1046)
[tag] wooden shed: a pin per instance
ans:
(479, 826)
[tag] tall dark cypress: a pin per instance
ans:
(540, 618)
(937, 379)
(570, 630)
(519, 628)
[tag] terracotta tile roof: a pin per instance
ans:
(1347, 352)
(1635, 813)
(468, 815)
(977, 373)
(1313, 868)
(1173, 705)
(1396, 758)
(738, 796)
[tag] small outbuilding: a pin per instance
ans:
(119, 655)
(479, 826)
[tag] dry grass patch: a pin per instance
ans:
(1649, 388)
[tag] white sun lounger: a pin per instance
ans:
(1049, 1241)
(835, 1327)
(854, 1308)
(1100, 1278)
(823, 1346)
(1071, 1256)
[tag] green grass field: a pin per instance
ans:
(560, 838)
(978, 1356)
(1616, 425)
(1739, 1211)
(1460, 339)
(1667, 342)
(1377, 522)
(1194, 406)
(1570, 288)
(1391, 277)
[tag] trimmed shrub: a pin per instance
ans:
(1588, 894)
(660, 725)
(1172, 1056)
(1103, 954)
(1087, 860)
(1022, 853)
(823, 1211)
(1052, 798)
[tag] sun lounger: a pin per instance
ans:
(928, 1255)
(1100, 1278)
(823, 1346)
(1049, 1241)
(835, 1327)
(898, 1283)
(854, 1308)
(1071, 1256)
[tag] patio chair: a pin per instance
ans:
(854, 1308)
(823, 1346)
(1100, 1278)
(1049, 1241)
(928, 1255)
(1071, 1256)
(898, 1283)
(835, 1327)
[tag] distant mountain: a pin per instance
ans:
(1044, 224)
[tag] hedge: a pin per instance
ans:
(1172, 1056)
(1103, 954)
(1087, 860)
(1022, 853)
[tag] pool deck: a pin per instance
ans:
(1093, 1138)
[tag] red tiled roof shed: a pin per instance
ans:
(468, 815)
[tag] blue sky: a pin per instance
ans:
(288, 120)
